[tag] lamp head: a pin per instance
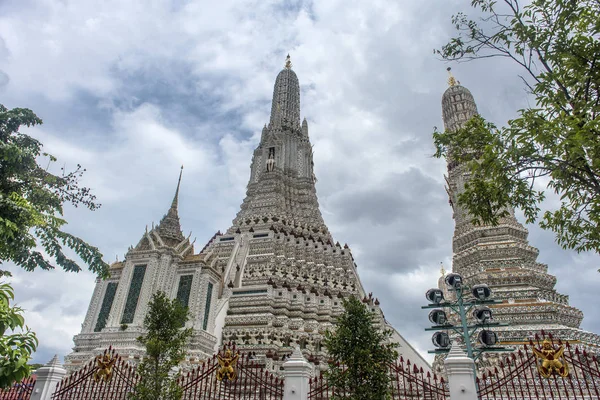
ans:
(436, 296)
(481, 291)
(438, 317)
(454, 280)
(441, 340)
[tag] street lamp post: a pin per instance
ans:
(488, 340)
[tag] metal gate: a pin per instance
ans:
(19, 391)
(107, 376)
(407, 381)
(231, 375)
(544, 369)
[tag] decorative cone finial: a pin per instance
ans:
(442, 269)
(288, 62)
(451, 80)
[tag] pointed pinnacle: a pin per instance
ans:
(176, 197)
(55, 362)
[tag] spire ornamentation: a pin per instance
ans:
(285, 109)
(176, 197)
(451, 80)
(169, 227)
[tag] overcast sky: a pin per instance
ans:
(132, 89)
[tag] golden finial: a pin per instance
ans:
(288, 62)
(442, 270)
(451, 80)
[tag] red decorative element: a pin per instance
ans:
(252, 382)
(519, 377)
(82, 385)
(407, 384)
(19, 391)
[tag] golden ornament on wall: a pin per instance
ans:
(227, 366)
(550, 360)
(104, 365)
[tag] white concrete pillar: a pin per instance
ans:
(297, 372)
(48, 377)
(461, 374)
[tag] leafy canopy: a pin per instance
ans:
(165, 343)
(32, 199)
(551, 146)
(360, 353)
(17, 342)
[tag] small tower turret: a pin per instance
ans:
(305, 128)
(458, 104)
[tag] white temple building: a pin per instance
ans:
(274, 280)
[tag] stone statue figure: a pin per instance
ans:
(271, 160)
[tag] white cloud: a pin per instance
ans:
(134, 89)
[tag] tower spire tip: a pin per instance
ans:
(176, 197)
(451, 80)
(288, 62)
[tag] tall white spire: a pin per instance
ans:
(285, 109)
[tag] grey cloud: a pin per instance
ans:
(371, 90)
(4, 79)
(398, 197)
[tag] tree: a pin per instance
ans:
(551, 146)
(15, 348)
(31, 208)
(32, 199)
(360, 353)
(165, 343)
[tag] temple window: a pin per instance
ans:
(109, 296)
(184, 289)
(134, 293)
(207, 306)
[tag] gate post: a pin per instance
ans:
(297, 372)
(461, 374)
(48, 377)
